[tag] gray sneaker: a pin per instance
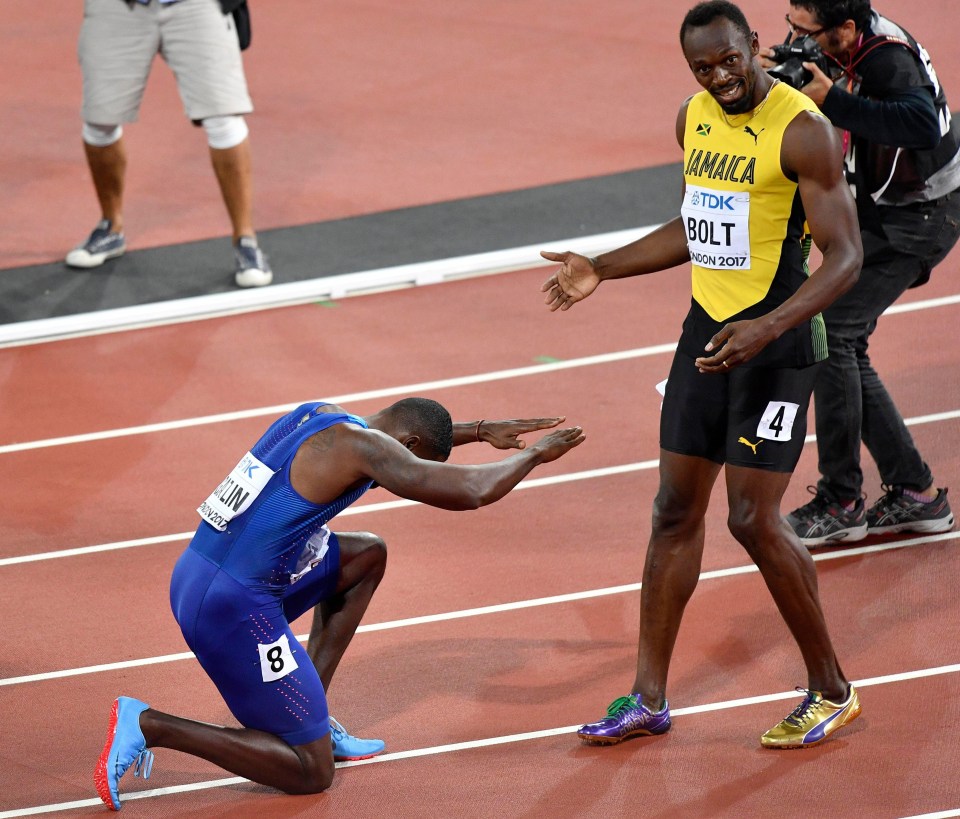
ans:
(897, 512)
(824, 520)
(253, 270)
(101, 245)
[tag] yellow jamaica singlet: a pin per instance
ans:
(744, 220)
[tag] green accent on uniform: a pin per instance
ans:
(547, 359)
(326, 303)
(818, 328)
(703, 129)
(818, 337)
(805, 245)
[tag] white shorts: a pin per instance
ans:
(118, 41)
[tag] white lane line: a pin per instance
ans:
(498, 608)
(926, 304)
(102, 547)
(448, 383)
(531, 483)
(397, 504)
(489, 742)
(216, 305)
(919, 420)
(284, 295)
(387, 392)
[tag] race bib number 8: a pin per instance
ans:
(717, 224)
(235, 494)
(776, 423)
(276, 659)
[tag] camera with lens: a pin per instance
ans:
(790, 58)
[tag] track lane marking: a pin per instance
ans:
(489, 742)
(497, 608)
(288, 294)
(530, 483)
(386, 392)
(481, 378)
(398, 504)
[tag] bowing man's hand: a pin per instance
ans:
(504, 434)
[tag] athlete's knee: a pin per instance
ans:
(225, 132)
(365, 553)
(376, 553)
(317, 781)
(372, 545)
(753, 525)
(317, 768)
(101, 136)
(672, 516)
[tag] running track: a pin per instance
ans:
(477, 708)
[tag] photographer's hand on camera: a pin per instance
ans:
(766, 58)
(818, 88)
(801, 64)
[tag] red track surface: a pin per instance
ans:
(496, 674)
(474, 678)
(371, 105)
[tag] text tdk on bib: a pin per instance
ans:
(235, 494)
(717, 225)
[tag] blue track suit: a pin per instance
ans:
(261, 558)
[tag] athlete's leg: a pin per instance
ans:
(363, 559)
(244, 643)
(255, 755)
(337, 587)
(672, 566)
(788, 570)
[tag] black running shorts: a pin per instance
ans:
(751, 416)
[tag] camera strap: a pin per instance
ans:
(870, 45)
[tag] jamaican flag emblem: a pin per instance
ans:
(703, 129)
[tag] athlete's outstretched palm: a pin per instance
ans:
(574, 281)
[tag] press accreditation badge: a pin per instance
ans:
(717, 224)
(235, 494)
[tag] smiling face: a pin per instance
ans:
(721, 57)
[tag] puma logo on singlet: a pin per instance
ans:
(743, 440)
(756, 136)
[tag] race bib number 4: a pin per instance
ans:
(717, 224)
(776, 423)
(276, 659)
(235, 494)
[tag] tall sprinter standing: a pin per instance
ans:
(760, 164)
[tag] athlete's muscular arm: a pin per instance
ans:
(346, 456)
(452, 486)
(811, 154)
(500, 434)
(580, 275)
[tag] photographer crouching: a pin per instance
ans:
(876, 84)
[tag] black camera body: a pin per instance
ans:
(790, 58)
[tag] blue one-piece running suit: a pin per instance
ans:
(262, 557)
